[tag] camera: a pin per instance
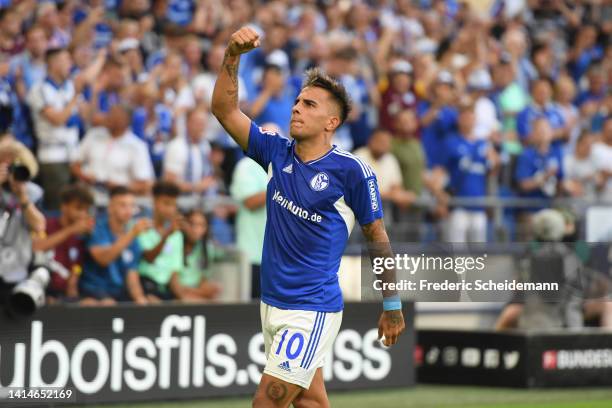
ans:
(19, 171)
(29, 295)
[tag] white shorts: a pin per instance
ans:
(297, 341)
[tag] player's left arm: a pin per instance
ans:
(391, 323)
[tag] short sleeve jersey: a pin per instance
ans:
(311, 210)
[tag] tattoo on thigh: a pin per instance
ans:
(276, 391)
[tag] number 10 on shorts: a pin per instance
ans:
(294, 345)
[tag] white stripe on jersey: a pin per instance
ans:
(368, 169)
(346, 213)
(365, 168)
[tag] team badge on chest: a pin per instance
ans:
(319, 182)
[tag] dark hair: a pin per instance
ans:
(118, 191)
(204, 262)
(165, 188)
(315, 77)
(78, 193)
(112, 62)
(536, 81)
(346, 53)
(52, 52)
(583, 135)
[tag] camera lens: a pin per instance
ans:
(20, 172)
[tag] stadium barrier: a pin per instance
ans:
(174, 352)
(514, 359)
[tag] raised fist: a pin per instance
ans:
(243, 40)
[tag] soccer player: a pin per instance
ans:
(315, 192)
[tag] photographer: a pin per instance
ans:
(19, 217)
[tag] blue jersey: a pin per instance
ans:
(311, 209)
(531, 163)
(467, 164)
(433, 135)
(108, 280)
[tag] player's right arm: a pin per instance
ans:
(224, 102)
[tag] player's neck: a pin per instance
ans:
(308, 150)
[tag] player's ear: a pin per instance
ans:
(332, 123)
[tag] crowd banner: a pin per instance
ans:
(171, 352)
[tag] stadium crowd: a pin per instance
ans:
(105, 104)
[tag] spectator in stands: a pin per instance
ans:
(249, 185)
(602, 157)
(152, 122)
(596, 91)
(110, 272)
(162, 245)
(398, 96)
(509, 98)
(129, 50)
(64, 241)
(541, 107)
(53, 104)
(29, 67)
(582, 177)
(407, 149)
(113, 156)
(192, 283)
(187, 160)
(468, 161)
(343, 65)
(274, 99)
(47, 17)
(438, 118)
(175, 90)
(106, 91)
(539, 171)
(486, 124)
(378, 155)
(11, 40)
(585, 51)
(565, 92)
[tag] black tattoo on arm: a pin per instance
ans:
(380, 247)
(276, 391)
(230, 65)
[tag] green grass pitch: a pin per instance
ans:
(430, 396)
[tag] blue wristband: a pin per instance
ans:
(392, 303)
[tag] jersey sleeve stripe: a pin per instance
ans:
(363, 170)
(311, 339)
(368, 170)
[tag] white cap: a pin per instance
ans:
(128, 44)
(480, 79)
(278, 58)
(445, 77)
(401, 67)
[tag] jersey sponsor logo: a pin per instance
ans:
(296, 210)
(373, 197)
(285, 366)
(288, 169)
(319, 182)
